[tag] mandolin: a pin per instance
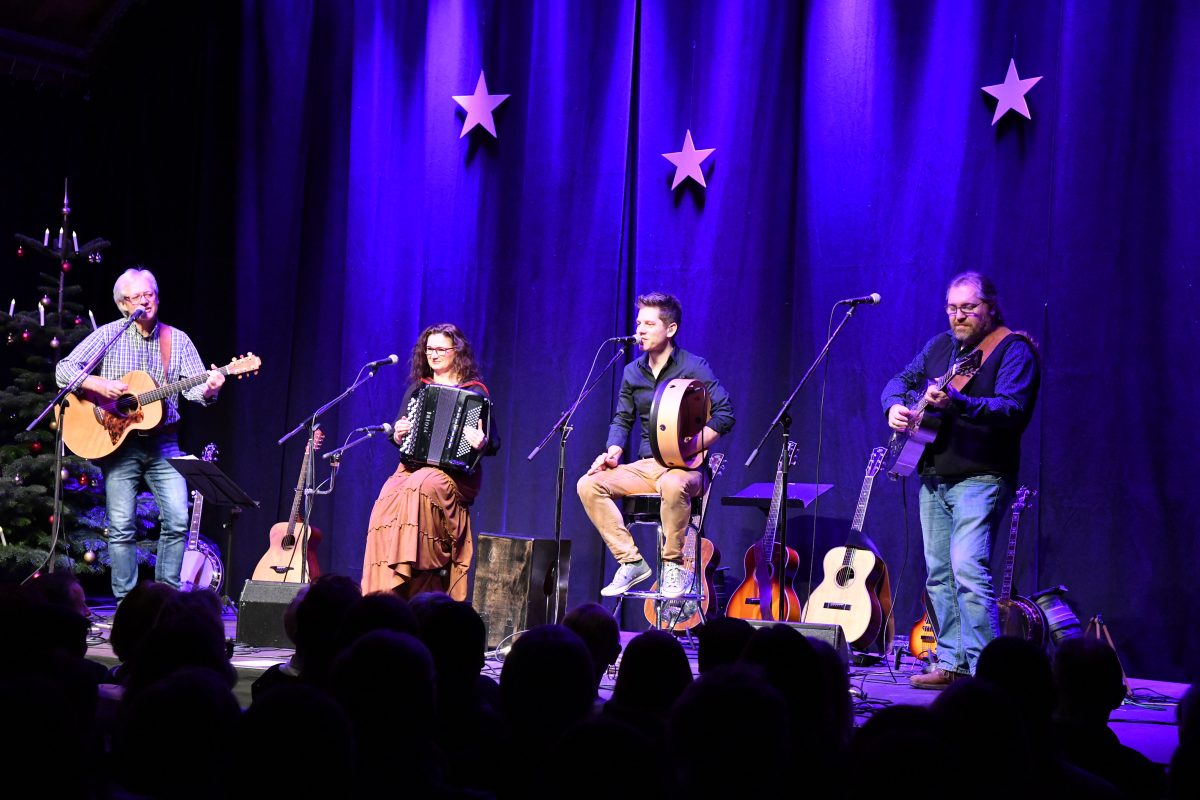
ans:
(1019, 616)
(682, 614)
(94, 429)
(762, 595)
(852, 593)
(202, 567)
(281, 562)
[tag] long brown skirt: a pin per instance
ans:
(419, 535)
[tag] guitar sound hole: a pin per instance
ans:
(845, 576)
(288, 542)
(126, 403)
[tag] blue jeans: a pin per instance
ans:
(144, 457)
(959, 520)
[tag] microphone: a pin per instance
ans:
(630, 339)
(870, 300)
(374, 429)
(137, 313)
(381, 362)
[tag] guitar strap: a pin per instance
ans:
(164, 349)
(985, 349)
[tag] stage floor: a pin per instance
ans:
(1146, 722)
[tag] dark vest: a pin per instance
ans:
(964, 447)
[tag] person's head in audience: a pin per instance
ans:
(135, 616)
(62, 588)
(189, 632)
(1090, 681)
(598, 628)
(377, 611)
(318, 624)
(722, 640)
(546, 683)
(424, 602)
(732, 700)
(1020, 668)
(455, 635)
(654, 672)
(888, 744)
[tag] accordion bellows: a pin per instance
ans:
(439, 415)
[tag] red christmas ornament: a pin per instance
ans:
(39, 388)
(78, 321)
(26, 335)
(51, 519)
(20, 251)
(35, 447)
(84, 480)
(66, 266)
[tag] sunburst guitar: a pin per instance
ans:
(202, 568)
(94, 429)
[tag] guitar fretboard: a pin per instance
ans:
(175, 388)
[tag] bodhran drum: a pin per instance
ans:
(680, 411)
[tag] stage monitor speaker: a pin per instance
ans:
(511, 591)
(260, 613)
(832, 635)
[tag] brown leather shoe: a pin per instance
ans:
(937, 680)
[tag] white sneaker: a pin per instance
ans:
(627, 576)
(675, 580)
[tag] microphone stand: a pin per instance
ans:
(310, 424)
(784, 421)
(61, 397)
(563, 426)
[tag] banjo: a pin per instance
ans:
(680, 410)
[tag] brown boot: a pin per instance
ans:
(937, 680)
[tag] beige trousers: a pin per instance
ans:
(601, 492)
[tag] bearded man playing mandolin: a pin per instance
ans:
(969, 468)
(145, 346)
(608, 480)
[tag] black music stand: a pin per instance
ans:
(799, 495)
(218, 489)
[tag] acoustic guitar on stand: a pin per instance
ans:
(855, 578)
(281, 562)
(202, 567)
(94, 429)
(763, 595)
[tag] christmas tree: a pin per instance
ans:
(36, 334)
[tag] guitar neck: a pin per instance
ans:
(860, 512)
(166, 390)
(194, 529)
(1011, 557)
(768, 540)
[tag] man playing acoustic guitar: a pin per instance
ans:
(145, 346)
(608, 480)
(968, 470)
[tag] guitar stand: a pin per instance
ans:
(1096, 624)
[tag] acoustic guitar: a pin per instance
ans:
(763, 595)
(850, 593)
(202, 568)
(683, 614)
(281, 562)
(96, 428)
(906, 447)
(1019, 616)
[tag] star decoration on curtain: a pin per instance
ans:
(1011, 94)
(479, 107)
(687, 162)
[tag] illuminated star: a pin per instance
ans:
(687, 162)
(1011, 93)
(479, 107)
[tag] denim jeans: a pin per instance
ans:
(959, 519)
(144, 457)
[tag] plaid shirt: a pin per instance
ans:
(134, 351)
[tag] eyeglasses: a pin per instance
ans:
(969, 309)
(137, 298)
(440, 352)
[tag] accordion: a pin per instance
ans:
(439, 415)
